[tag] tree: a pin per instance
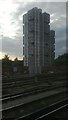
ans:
(16, 59)
(62, 59)
(61, 63)
(6, 57)
(6, 65)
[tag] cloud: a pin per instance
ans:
(6, 10)
(12, 47)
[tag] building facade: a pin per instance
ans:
(37, 40)
(52, 45)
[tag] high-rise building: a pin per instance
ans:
(37, 39)
(52, 45)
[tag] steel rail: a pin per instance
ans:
(45, 111)
(34, 91)
(18, 105)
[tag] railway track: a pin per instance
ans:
(46, 111)
(24, 86)
(31, 82)
(12, 112)
(34, 89)
(53, 114)
(12, 101)
(29, 79)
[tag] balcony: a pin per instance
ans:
(53, 47)
(23, 19)
(30, 15)
(46, 18)
(32, 43)
(23, 40)
(31, 30)
(52, 40)
(23, 30)
(46, 28)
(31, 26)
(52, 33)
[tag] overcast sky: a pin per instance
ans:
(11, 14)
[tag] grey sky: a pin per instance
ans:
(11, 27)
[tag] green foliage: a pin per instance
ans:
(9, 65)
(6, 57)
(62, 59)
(16, 59)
